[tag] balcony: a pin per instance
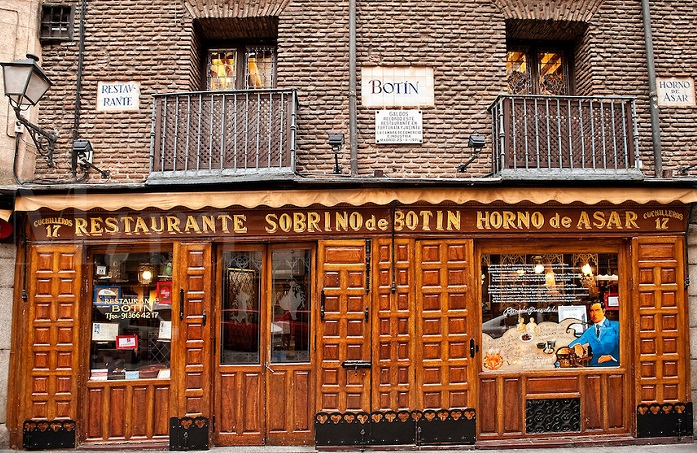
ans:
(565, 137)
(222, 133)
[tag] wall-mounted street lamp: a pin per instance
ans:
(476, 142)
(336, 141)
(25, 85)
(82, 156)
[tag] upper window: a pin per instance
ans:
(247, 67)
(56, 23)
(532, 69)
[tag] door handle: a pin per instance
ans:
(474, 348)
(367, 313)
(181, 304)
(205, 317)
(322, 300)
(356, 364)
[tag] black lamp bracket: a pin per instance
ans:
(45, 142)
(85, 164)
(81, 157)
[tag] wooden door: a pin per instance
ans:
(415, 333)
(239, 377)
(343, 330)
(661, 354)
(445, 325)
(289, 354)
(192, 363)
(394, 348)
(50, 355)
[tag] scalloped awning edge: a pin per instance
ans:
(355, 197)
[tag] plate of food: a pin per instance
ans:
(526, 337)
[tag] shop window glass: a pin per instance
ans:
(547, 311)
(533, 71)
(131, 316)
(290, 328)
(222, 71)
(241, 304)
(249, 67)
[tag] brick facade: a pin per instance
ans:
(157, 45)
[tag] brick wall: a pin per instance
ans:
(154, 43)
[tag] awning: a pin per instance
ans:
(5, 214)
(353, 197)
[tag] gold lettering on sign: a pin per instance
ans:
(362, 221)
(509, 220)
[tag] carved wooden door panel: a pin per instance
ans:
(393, 327)
(193, 347)
(661, 354)
(445, 330)
(50, 357)
(343, 343)
(415, 335)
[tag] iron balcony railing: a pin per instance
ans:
(219, 133)
(565, 136)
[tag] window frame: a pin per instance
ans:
(49, 12)
(621, 305)
(163, 273)
(242, 52)
(532, 49)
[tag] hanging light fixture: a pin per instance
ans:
(25, 85)
(539, 266)
(146, 272)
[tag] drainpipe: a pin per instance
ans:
(352, 88)
(80, 64)
(653, 96)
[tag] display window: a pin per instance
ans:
(285, 317)
(550, 311)
(290, 328)
(131, 329)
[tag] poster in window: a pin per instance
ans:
(105, 296)
(164, 293)
(127, 342)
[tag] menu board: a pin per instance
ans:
(557, 283)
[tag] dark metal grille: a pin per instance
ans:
(552, 415)
(564, 134)
(224, 132)
(56, 23)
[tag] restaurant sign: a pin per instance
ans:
(356, 221)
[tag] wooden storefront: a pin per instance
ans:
(333, 325)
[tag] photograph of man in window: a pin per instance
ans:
(603, 337)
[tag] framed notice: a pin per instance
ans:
(104, 331)
(127, 342)
(574, 312)
(612, 301)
